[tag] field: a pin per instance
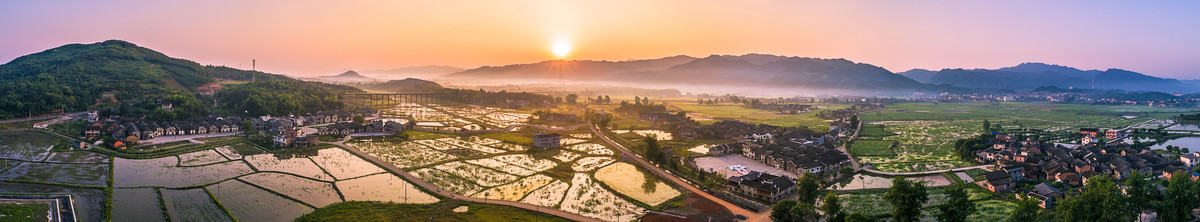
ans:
(24, 212)
(384, 187)
(192, 205)
(926, 131)
(872, 203)
(248, 203)
(311, 192)
(631, 182)
(134, 202)
(864, 147)
(757, 116)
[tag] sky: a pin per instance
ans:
(311, 38)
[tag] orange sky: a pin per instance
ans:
(309, 38)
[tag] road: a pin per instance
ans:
(444, 193)
(751, 216)
(41, 117)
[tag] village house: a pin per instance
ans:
(547, 140)
(998, 181)
(763, 186)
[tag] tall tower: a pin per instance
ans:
(253, 70)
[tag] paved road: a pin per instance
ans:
(444, 193)
(751, 216)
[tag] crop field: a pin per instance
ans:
(314, 193)
(757, 116)
(445, 117)
(192, 205)
(549, 195)
(657, 134)
(297, 165)
(344, 165)
(201, 158)
(26, 146)
(248, 203)
(164, 172)
(448, 181)
(864, 147)
(58, 173)
(383, 187)
(872, 203)
(403, 155)
(516, 190)
(631, 182)
(926, 131)
(134, 203)
(863, 181)
(588, 198)
(77, 157)
(591, 163)
(480, 175)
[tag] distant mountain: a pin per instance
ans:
(412, 72)
(409, 85)
(569, 70)
(1033, 75)
(920, 75)
(350, 76)
(123, 78)
(715, 70)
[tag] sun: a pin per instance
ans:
(561, 48)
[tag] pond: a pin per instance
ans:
(1191, 143)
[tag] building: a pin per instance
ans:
(547, 140)
(1190, 159)
(295, 138)
(1113, 134)
(763, 186)
(1090, 131)
(998, 181)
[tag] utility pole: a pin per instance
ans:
(253, 71)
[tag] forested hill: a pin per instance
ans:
(140, 81)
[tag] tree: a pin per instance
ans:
(1101, 200)
(807, 188)
(987, 126)
(1027, 210)
(858, 217)
(1180, 198)
(957, 207)
(832, 208)
(637, 100)
(607, 100)
(782, 211)
(803, 212)
(360, 119)
(906, 198)
(646, 100)
(571, 98)
(1140, 192)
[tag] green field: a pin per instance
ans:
(758, 116)
(23, 212)
(926, 131)
(863, 147)
(872, 203)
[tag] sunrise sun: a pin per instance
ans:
(561, 48)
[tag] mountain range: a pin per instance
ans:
(715, 70)
(348, 77)
(429, 71)
(1027, 76)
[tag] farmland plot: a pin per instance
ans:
(516, 190)
(404, 154)
(591, 163)
(511, 147)
(162, 172)
(200, 158)
(628, 180)
(192, 205)
(236, 151)
(569, 141)
(468, 145)
(501, 166)
(384, 187)
(591, 149)
(314, 193)
(657, 134)
(77, 157)
(344, 165)
(524, 160)
(60, 173)
(26, 146)
(137, 204)
(480, 175)
(249, 203)
(566, 156)
(288, 164)
(587, 198)
(483, 141)
(549, 195)
(447, 181)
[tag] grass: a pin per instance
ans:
(423, 135)
(874, 131)
(510, 137)
(758, 116)
(862, 147)
(23, 212)
(440, 211)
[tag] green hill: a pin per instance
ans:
(119, 77)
